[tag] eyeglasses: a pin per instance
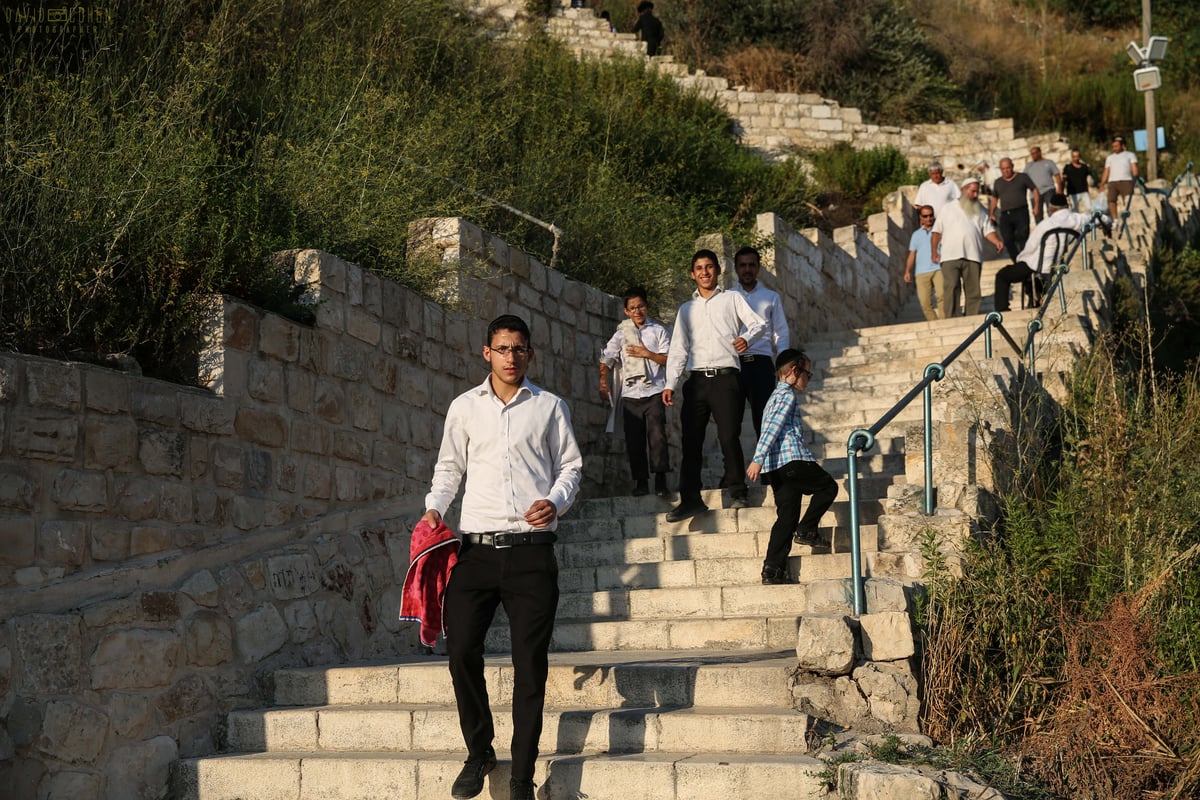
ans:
(805, 372)
(517, 352)
(635, 308)
(927, 216)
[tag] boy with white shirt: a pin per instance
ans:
(637, 356)
(514, 443)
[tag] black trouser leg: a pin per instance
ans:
(472, 595)
(1005, 278)
(820, 484)
(530, 596)
(693, 418)
(728, 405)
(757, 381)
(635, 437)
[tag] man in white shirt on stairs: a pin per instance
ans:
(711, 331)
(514, 443)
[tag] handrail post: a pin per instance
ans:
(937, 372)
(1034, 326)
(1060, 271)
(993, 319)
(859, 440)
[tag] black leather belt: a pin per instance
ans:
(1012, 210)
(511, 538)
(712, 372)
(753, 357)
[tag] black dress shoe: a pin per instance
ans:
(520, 790)
(641, 488)
(775, 576)
(660, 485)
(739, 501)
(469, 782)
(806, 537)
(688, 508)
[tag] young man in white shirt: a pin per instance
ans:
(711, 331)
(1120, 170)
(514, 443)
(637, 355)
(758, 362)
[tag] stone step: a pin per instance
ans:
(708, 602)
(428, 776)
(397, 727)
(751, 678)
(703, 618)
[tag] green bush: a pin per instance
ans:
(862, 177)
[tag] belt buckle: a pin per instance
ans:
(499, 540)
(708, 372)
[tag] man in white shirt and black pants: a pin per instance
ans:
(514, 443)
(758, 362)
(711, 331)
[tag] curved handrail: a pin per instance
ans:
(1184, 177)
(863, 439)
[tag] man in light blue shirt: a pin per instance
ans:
(919, 267)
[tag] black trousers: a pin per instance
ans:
(1013, 227)
(525, 580)
(719, 397)
(645, 420)
(790, 483)
(758, 381)
(1005, 278)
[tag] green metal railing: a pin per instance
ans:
(863, 439)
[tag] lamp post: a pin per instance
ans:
(1147, 78)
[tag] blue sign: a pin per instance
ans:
(1139, 140)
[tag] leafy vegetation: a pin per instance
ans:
(1072, 640)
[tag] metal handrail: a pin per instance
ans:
(863, 439)
(1184, 177)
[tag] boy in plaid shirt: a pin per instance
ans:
(789, 467)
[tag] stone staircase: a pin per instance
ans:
(674, 672)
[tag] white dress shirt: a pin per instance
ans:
(655, 339)
(937, 194)
(962, 238)
(704, 333)
(513, 455)
(769, 305)
(1063, 218)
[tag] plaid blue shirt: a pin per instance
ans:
(782, 437)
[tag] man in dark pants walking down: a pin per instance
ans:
(790, 467)
(758, 362)
(514, 443)
(711, 331)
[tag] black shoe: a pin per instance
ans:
(641, 488)
(775, 576)
(806, 537)
(739, 501)
(520, 790)
(660, 485)
(688, 508)
(469, 782)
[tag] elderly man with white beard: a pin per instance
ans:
(957, 244)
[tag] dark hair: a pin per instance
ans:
(635, 291)
(507, 322)
(747, 251)
(709, 254)
(789, 357)
(645, 5)
(604, 14)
